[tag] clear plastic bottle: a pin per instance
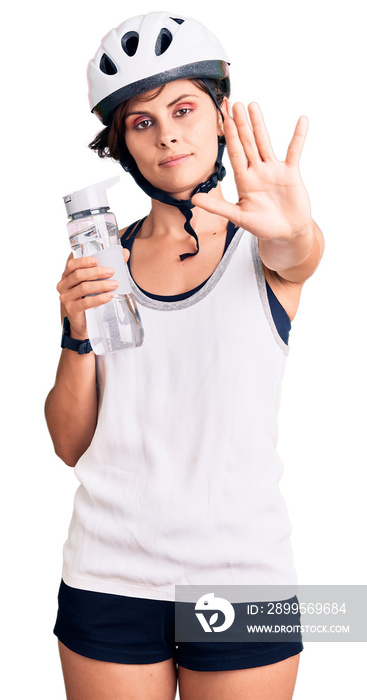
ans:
(93, 232)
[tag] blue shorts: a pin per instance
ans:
(123, 629)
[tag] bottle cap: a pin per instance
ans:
(93, 197)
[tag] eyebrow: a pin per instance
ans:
(182, 97)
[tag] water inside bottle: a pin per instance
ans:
(115, 326)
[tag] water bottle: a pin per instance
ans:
(93, 232)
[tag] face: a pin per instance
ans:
(173, 137)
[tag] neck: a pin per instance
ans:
(165, 219)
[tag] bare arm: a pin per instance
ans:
(71, 406)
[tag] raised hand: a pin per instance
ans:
(272, 199)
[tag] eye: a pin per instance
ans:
(183, 111)
(144, 124)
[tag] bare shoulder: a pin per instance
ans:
(288, 293)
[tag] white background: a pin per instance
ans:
(292, 57)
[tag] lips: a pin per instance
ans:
(175, 159)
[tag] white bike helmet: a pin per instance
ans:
(147, 51)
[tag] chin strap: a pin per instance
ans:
(184, 205)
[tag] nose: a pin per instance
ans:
(166, 134)
(167, 141)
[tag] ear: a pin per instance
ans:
(225, 107)
(225, 111)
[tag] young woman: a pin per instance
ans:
(175, 452)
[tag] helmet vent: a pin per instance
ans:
(163, 41)
(178, 20)
(129, 43)
(107, 66)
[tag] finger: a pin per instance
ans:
(89, 288)
(245, 133)
(298, 139)
(83, 274)
(75, 263)
(96, 300)
(89, 302)
(74, 308)
(236, 154)
(218, 206)
(260, 132)
(235, 149)
(126, 254)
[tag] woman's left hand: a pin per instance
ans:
(272, 199)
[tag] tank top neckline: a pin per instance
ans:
(279, 315)
(127, 242)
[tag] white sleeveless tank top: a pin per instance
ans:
(180, 484)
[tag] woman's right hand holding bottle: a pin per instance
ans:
(84, 285)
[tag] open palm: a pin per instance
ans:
(272, 199)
